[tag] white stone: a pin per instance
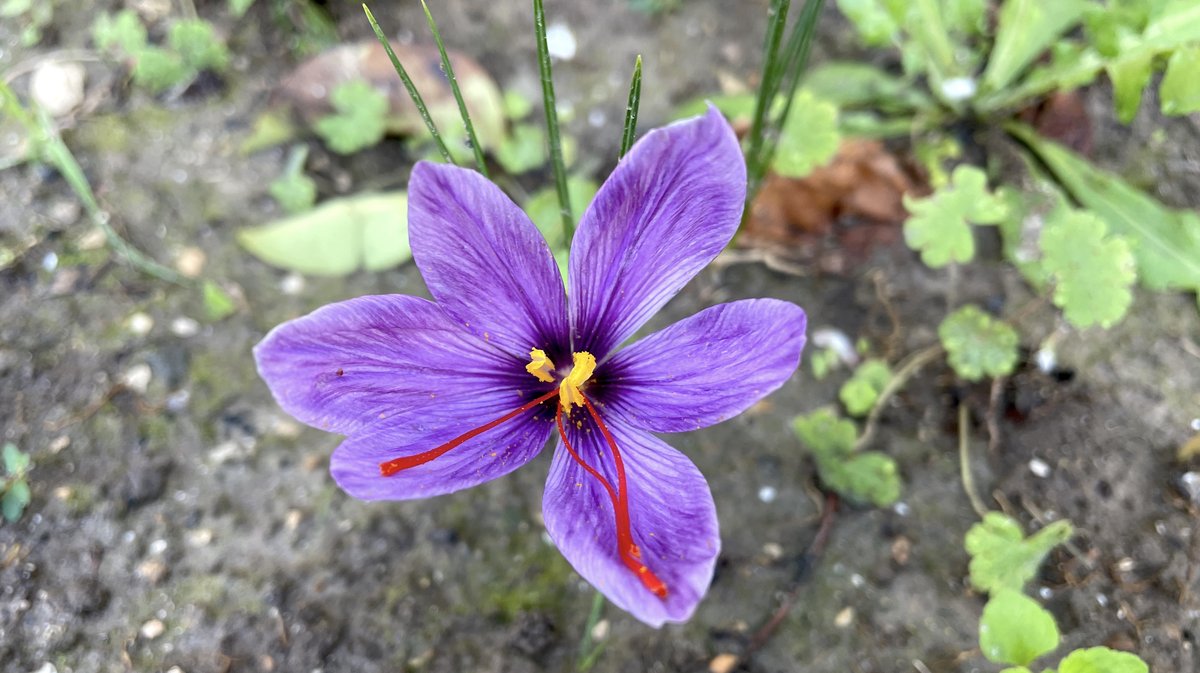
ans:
(57, 87)
(560, 41)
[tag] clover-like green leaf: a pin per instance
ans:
(1003, 558)
(1093, 272)
(158, 69)
(360, 119)
(809, 137)
(218, 305)
(939, 226)
(978, 345)
(15, 499)
(1179, 92)
(123, 31)
(337, 237)
(294, 191)
(1016, 630)
(867, 476)
(1026, 28)
(198, 45)
(15, 460)
(1102, 660)
(863, 388)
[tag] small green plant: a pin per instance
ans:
(359, 120)
(978, 345)
(14, 486)
(861, 392)
(192, 46)
(1014, 630)
(294, 191)
(861, 476)
(33, 16)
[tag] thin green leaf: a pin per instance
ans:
(1026, 29)
(448, 69)
(795, 59)
(939, 227)
(768, 86)
(1016, 630)
(1165, 242)
(849, 85)
(809, 138)
(1003, 558)
(409, 86)
(1102, 660)
(1093, 272)
(631, 108)
(552, 133)
(977, 344)
(1179, 92)
(339, 236)
(1129, 77)
(218, 305)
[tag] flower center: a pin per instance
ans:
(570, 394)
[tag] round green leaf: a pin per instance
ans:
(1102, 660)
(1016, 630)
(977, 344)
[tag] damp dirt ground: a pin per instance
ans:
(186, 523)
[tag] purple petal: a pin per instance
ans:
(706, 368)
(671, 510)
(666, 211)
(484, 261)
(355, 463)
(347, 365)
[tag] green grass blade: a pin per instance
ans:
(556, 156)
(631, 108)
(458, 97)
(408, 85)
(768, 85)
(795, 59)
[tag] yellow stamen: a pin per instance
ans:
(540, 366)
(568, 392)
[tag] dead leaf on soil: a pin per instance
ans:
(308, 88)
(839, 211)
(1063, 118)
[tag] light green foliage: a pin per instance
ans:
(192, 46)
(978, 345)
(198, 45)
(516, 105)
(368, 231)
(876, 26)
(1026, 29)
(965, 17)
(15, 487)
(522, 150)
(1016, 630)
(823, 362)
(862, 390)
(218, 305)
(1166, 242)
(543, 209)
(850, 84)
(733, 106)
(33, 15)
(294, 191)
(238, 8)
(1092, 271)
(121, 31)
(867, 476)
(939, 226)
(1003, 558)
(1102, 660)
(1180, 90)
(360, 119)
(809, 138)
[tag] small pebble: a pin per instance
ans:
(857, 581)
(151, 570)
(560, 41)
(152, 629)
(184, 327)
(1046, 360)
(59, 443)
(901, 508)
(140, 324)
(175, 669)
(294, 517)
(1189, 482)
(600, 630)
(844, 618)
(94, 239)
(57, 87)
(63, 493)
(773, 550)
(137, 378)
(158, 546)
(1039, 468)
(190, 262)
(838, 342)
(292, 284)
(1045, 593)
(723, 663)
(1196, 424)
(50, 262)
(200, 537)
(47, 668)
(767, 494)
(1126, 564)
(958, 88)
(901, 549)
(178, 400)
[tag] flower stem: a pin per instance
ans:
(631, 108)
(556, 156)
(458, 97)
(589, 652)
(410, 87)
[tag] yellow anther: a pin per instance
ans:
(568, 392)
(540, 366)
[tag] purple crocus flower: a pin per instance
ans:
(438, 397)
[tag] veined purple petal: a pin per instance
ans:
(671, 510)
(666, 211)
(346, 366)
(484, 261)
(706, 368)
(355, 463)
